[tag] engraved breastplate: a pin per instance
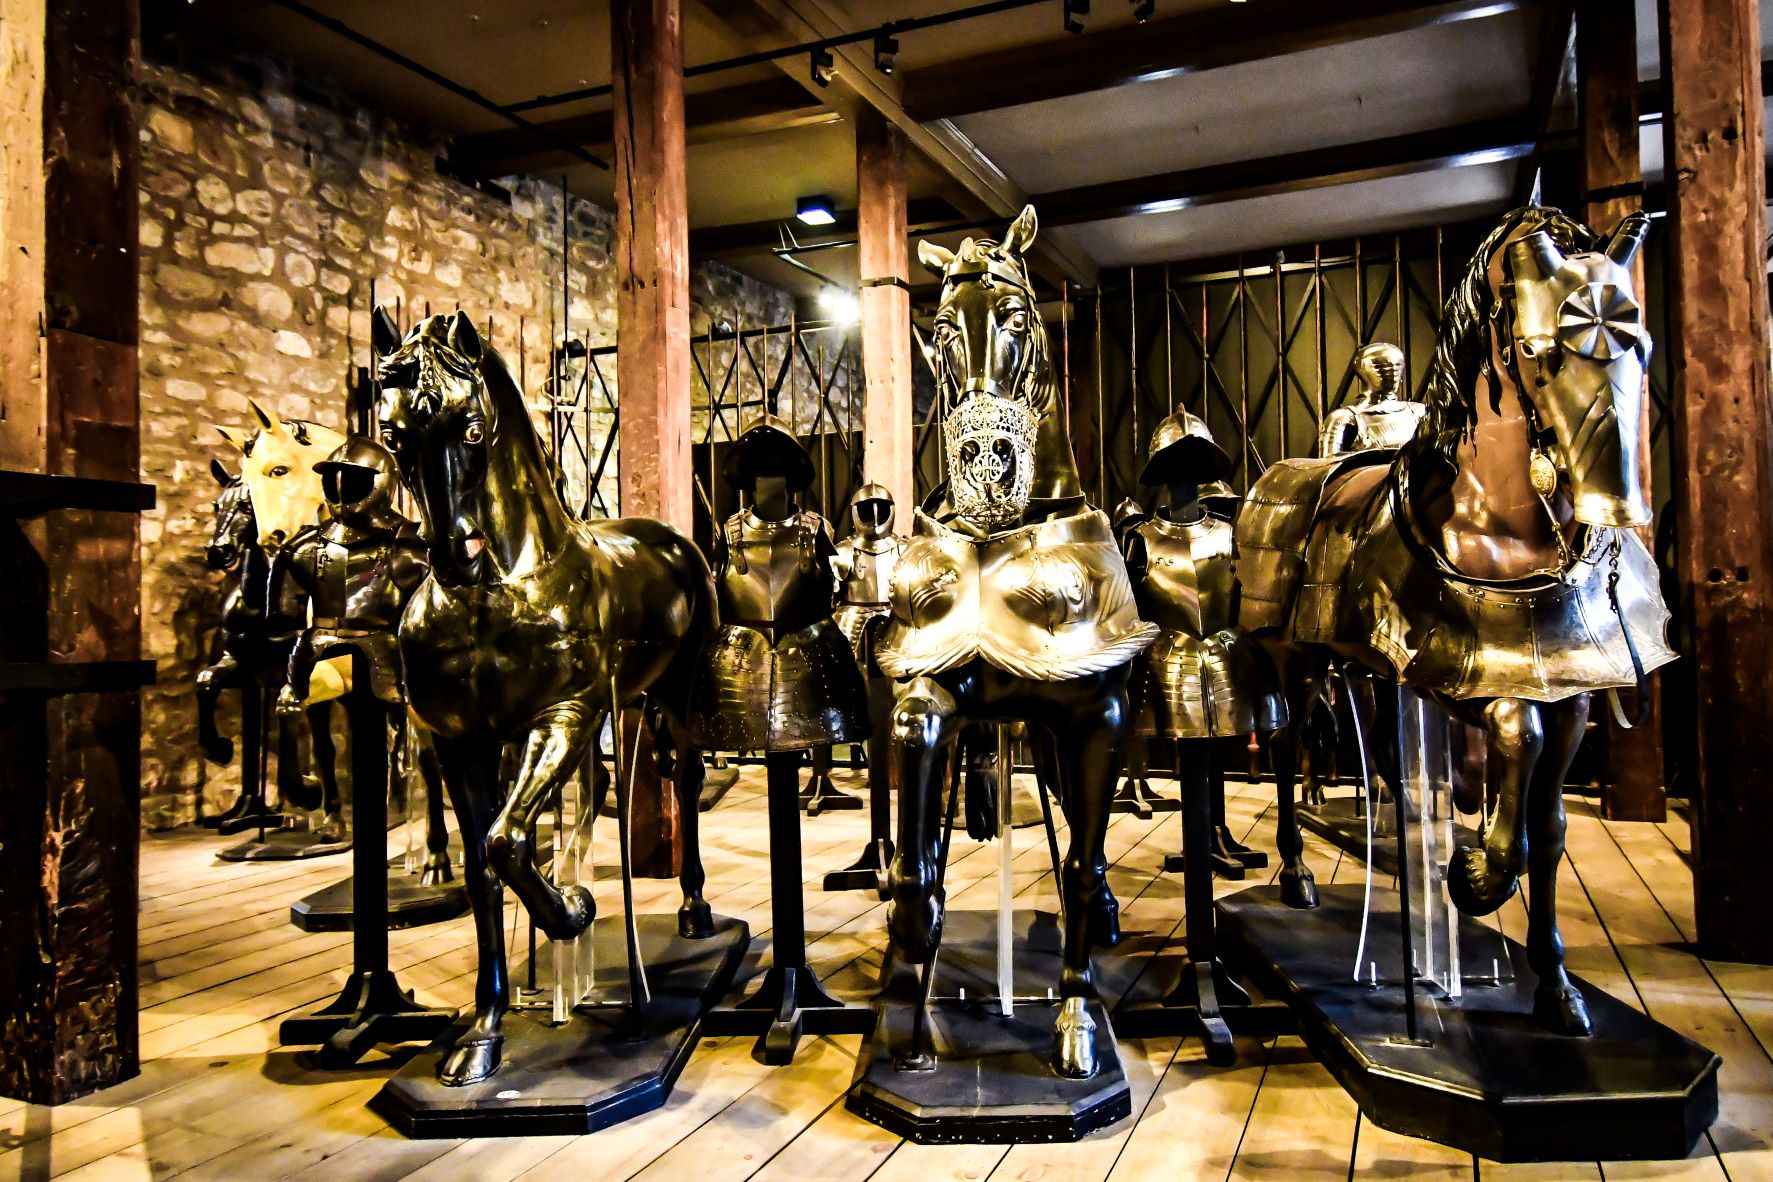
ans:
(1391, 425)
(869, 566)
(1189, 584)
(773, 578)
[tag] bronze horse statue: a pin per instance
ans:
(1011, 602)
(1493, 564)
(254, 658)
(531, 629)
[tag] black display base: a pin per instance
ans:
(822, 796)
(1232, 869)
(602, 1067)
(284, 845)
(1136, 796)
(411, 904)
(1490, 1082)
(867, 873)
(992, 1082)
(1337, 822)
(716, 783)
(247, 814)
(371, 1010)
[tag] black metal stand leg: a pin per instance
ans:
(1205, 1001)
(1223, 863)
(251, 811)
(789, 1001)
(869, 871)
(372, 1008)
(821, 795)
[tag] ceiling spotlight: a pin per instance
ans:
(886, 47)
(823, 65)
(841, 306)
(1142, 10)
(815, 210)
(1075, 11)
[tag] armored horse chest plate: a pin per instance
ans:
(1047, 602)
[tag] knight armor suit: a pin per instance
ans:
(349, 578)
(1197, 681)
(864, 566)
(1381, 418)
(779, 674)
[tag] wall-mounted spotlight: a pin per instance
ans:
(823, 65)
(1075, 11)
(841, 306)
(886, 48)
(815, 210)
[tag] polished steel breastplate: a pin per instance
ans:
(354, 585)
(1190, 584)
(868, 565)
(773, 579)
(1390, 425)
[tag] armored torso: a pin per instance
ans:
(864, 568)
(778, 675)
(355, 582)
(1368, 426)
(1189, 584)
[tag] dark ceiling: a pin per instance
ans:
(1216, 126)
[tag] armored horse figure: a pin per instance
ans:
(1010, 603)
(531, 628)
(277, 458)
(1491, 564)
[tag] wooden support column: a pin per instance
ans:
(888, 443)
(69, 762)
(1723, 451)
(1612, 187)
(652, 318)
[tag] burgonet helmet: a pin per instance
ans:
(1219, 499)
(875, 494)
(1183, 449)
(768, 448)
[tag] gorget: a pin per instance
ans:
(1047, 602)
(1543, 638)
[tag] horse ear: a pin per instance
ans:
(220, 472)
(384, 334)
(934, 256)
(1020, 236)
(464, 338)
(228, 434)
(268, 420)
(1628, 238)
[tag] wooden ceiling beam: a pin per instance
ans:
(748, 108)
(1222, 36)
(740, 239)
(978, 181)
(1403, 155)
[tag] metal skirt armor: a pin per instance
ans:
(804, 691)
(1205, 689)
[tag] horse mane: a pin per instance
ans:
(1462, 354)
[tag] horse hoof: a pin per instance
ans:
(437, 870)
(1104, 919)
(914, 925)
(1298, 889)
(577, 910)
(1074, 1041)
(1561, 1010)
(1474, 888)
(472, 1060)
(695, 920)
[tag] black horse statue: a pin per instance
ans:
(531, 629)
(1492, 564)
(1011, 603)
(254, 660)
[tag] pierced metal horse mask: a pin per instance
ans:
(988, 346)
(1577, 340)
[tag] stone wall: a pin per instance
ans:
(271, 205)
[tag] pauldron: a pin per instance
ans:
(1046, 602)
